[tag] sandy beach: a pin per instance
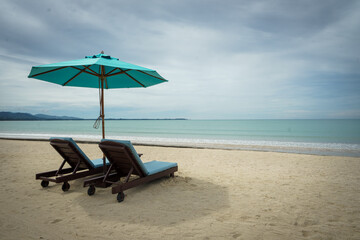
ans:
(216, 194)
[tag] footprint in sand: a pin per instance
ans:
(56, 221)
(223, 218)
(305, 233)
(236, 235)
(187, 179)
(305, 222)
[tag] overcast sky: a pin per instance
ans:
(223, 59)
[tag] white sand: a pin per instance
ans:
(217, 194)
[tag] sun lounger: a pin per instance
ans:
(80, 165)
(124, 162)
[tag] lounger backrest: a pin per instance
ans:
(71, 152)
(124, 156)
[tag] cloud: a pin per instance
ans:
(229, 59)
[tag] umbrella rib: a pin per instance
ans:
(95, 74)
(111, 71)
(83, 70)
(49, 71)
(152, 76)
(134, 79)
(121, 72)
(88, 68)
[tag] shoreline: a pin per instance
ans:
(257, 148)
(315, 137)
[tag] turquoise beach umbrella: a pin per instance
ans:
(98, 71)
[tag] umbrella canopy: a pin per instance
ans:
(98, 71)
(89, 71)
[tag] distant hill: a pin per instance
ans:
(27, 116)
(18, 116)
(49, 117)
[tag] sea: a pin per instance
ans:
(319, 137)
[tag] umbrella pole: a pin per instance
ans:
(103, 119)
(102, 109)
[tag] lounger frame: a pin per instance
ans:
(79, 166)
(123, 164)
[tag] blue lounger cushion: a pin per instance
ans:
(98, 162)
(148, 168)
(157, 166)
(94, 163)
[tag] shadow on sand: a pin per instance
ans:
(163, 202)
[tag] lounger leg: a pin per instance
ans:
(121, 196)
(129, 174)
(76, 168)
(61, 167)
(107, 173)
(92, 189)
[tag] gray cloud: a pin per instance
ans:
(224, 59)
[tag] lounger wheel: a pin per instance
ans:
(91, 190)
(44, 183)
(120, 197)
(65, 186)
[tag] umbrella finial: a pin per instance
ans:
(102, 52)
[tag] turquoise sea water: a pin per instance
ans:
(325, 137)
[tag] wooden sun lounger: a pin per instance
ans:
(124, 162)
(80, 165)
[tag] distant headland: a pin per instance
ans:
(19, 116)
